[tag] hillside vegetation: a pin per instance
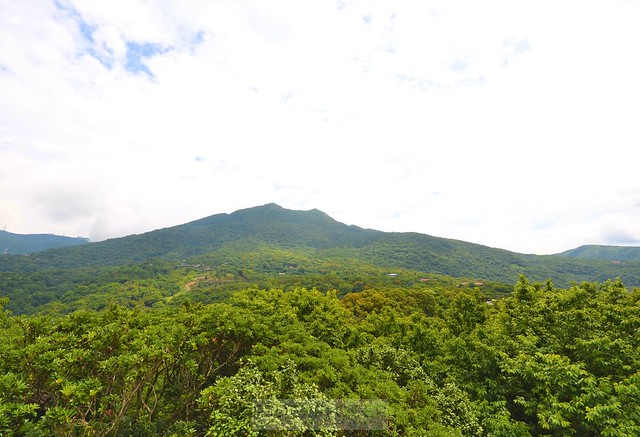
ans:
(23, 244)
(316, 235)
(611, 253)
(425, 360)
(287, 323)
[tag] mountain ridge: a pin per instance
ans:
(23, 244)
(605, 252)
(320, 236)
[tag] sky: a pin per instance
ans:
(514, 124)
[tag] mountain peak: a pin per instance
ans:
(314, 232)
(273, 206)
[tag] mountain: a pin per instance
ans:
(276, 227)
(22, 244)
(269, 224)
(281, 305)
(611, 253)
(267, 230)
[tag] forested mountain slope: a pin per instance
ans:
(268, 224)
(611, 253)
(22, 244)
(253, 322)
(316, 235)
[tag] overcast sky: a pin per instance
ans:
(514, 124)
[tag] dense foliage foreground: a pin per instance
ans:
(542, 361)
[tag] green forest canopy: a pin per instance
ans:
(242, 325)
(444, 359)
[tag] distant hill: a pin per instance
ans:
(611, 253)
(230, 238)
(22, 244)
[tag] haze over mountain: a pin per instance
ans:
(22, 244)
(317, 235)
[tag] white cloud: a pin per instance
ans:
(505, 123)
